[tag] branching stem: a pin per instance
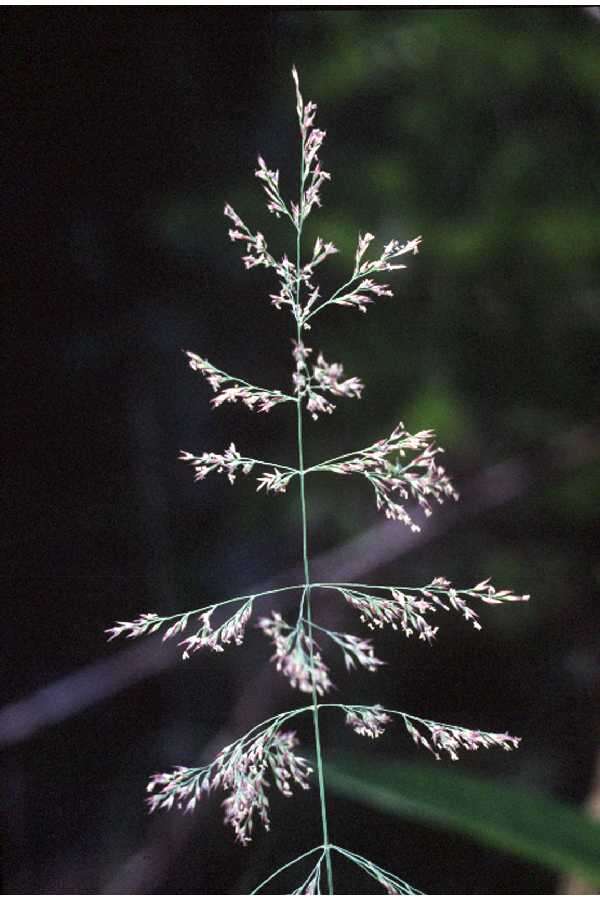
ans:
(286, 866)
(201, 609)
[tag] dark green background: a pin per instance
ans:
(127, 130)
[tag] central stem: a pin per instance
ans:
(306, 593)
(308, 615)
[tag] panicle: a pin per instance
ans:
(297, 655)
(356, 651)
(270, 179)
(313, 176)
(255, 398)
(364, 242)
(408, 609)
(371, 721)
(366, 291)
(420, 478)
(231, 631)
(452, 738)
(181, 786)
(257, 253)
(398, 610)
(400, 468)
(262, 401)
(383, 263)
(246, 778)
(325, 377)
(364, 294)
(242, 770)
(328, 377)
(275, 482)
(296, 289)
(230, 462)
(321, 251)
(147, 623)
(488, 594)
(368, 721)
(286, 273)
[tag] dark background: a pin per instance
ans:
(126, 130)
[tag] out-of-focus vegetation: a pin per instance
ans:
(509, 819)
(130, 128)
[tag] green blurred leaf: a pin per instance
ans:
(438, 403)
(521, 822)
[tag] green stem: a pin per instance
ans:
(283, 868)
(306, 603)
(201, 609)
(306, 593)
(328, 462)
(277, 720)
(264, 462)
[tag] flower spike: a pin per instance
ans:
(401, 468)
(255, 398)
(420, 478)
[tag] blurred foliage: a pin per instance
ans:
(497, 815)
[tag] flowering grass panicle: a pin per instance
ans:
(297, 655)
(402, 469)
(367, 721)
(242, 770)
